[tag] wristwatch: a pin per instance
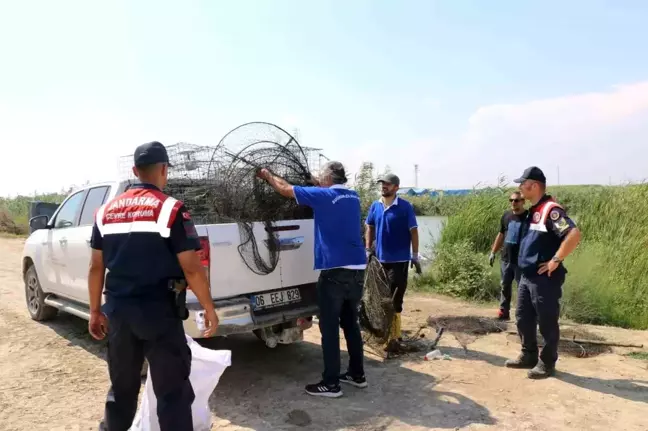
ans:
(556, 259)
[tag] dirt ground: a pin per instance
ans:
(54, 377)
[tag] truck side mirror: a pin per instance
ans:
(38, 222)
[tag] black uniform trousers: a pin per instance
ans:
(509, 272)
(397, 278)
(148, 329)
(538, 304)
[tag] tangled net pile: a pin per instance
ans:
(377, 307)
(219, 185)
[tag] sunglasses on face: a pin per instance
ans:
(515, 200)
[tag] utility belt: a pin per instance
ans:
(178, 290)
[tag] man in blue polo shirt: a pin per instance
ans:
(340, 257)
(392, 222)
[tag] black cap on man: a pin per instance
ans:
(150, 153)
(532, 173)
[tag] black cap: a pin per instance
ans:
(389, 178)
(532, 173)
(150, 154)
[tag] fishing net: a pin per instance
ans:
(219, 185)
(377, 306)
(574, 341)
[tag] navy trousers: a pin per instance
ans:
(538, 304)
(339, 292)
(148, 330)
(510, 271)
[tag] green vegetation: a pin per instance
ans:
(607, 281)
(14, 212)
(638, 355)
(461, 272)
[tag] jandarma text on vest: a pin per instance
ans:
(144, 201)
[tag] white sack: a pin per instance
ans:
(207, 366)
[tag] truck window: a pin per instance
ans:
(94, 200)
(66, 217)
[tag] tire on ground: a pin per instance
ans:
(35, 298)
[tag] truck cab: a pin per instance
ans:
(277, 306)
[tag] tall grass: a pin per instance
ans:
(14, 212)
(607, 281)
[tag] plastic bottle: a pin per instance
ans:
(200, 321)
(434, 354)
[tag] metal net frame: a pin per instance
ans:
(219, 184)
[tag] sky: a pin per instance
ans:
(467, 89)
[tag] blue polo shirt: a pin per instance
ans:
(393, 225)
(338, 221)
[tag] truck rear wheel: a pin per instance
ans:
(35, 298)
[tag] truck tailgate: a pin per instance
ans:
(228, 273)
(296, 258)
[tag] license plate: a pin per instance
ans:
(275, 299)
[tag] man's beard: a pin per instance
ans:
(387, 194)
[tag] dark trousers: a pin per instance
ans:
(339, 292)
(397, 277)
(538, 303)
(510, 271)
(151, 331)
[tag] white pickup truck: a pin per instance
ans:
(277, 307)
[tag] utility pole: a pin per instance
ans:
(416, 170)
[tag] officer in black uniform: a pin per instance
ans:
(147, 242)
(548, 237)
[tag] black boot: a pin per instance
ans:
(522, 361)
(541, 371)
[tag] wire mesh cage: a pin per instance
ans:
(218, 184)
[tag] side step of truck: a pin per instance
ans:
(68, 306)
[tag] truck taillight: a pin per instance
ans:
(203, 255)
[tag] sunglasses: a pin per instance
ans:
(515, 200)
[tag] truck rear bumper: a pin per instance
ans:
(236, 317)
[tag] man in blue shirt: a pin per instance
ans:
(341, 260)
(392, 222)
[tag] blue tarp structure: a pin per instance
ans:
(414, 191)
(459, 192)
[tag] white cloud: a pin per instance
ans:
(590, 138)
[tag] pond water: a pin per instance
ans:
(429, 228)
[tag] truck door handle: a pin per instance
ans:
(63, 241)
(288, 243)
